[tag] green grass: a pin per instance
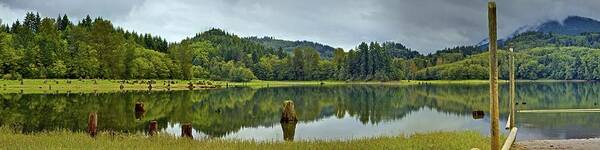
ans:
(79, 140)
(87, 86)
(102, 86)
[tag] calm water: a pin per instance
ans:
(328, 112)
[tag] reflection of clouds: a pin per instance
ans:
(421, 121)
(175, 130)
(537, 126)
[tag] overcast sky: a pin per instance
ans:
(423, 25)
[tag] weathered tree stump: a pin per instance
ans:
(21, 81)
(478, 114)
(288, 112)
(92, 124)
(121, 86)
(139, 106)
(149, 87)
(191, 86)
(186, 130)
(153, 128)
(139, 110)
(289, 130)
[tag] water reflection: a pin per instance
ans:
(323, 112)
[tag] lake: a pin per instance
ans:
(337, 112)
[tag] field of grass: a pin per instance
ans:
(100, 86)
(90, 85)
(79, 140)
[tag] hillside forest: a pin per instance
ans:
(43, 47)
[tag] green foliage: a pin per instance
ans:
(93, 48)
(559, 63)
(325, 51)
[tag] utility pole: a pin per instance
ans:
(494, 113)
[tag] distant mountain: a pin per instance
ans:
(325, 51)
(572, 25)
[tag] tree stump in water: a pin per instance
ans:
(153, 128)
(92, 124)
(186, 130)
(139, 106)
(121, 86)
(139, 110)
(288, 113)
(149, 87)
(191, 86)
(21, 81)
(478, 114)
(289, 130)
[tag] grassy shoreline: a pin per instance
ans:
(80, 140)
(40, 86)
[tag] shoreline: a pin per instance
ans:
(60, 86)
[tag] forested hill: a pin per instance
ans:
(93, 48)
(539, 56)
(325, 51)
(572, 25)
(558, 63)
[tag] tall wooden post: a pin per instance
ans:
(494, 113)
(511, 62)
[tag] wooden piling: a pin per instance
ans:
(493, 75)
(153, 128)
(92, 124)
(511, 62)
(289, 130)
(186, 130)
(288, 113)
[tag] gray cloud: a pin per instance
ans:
(424, 25)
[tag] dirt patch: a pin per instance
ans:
(576, 144)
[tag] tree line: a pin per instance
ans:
(93, 48)
(44, 47)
